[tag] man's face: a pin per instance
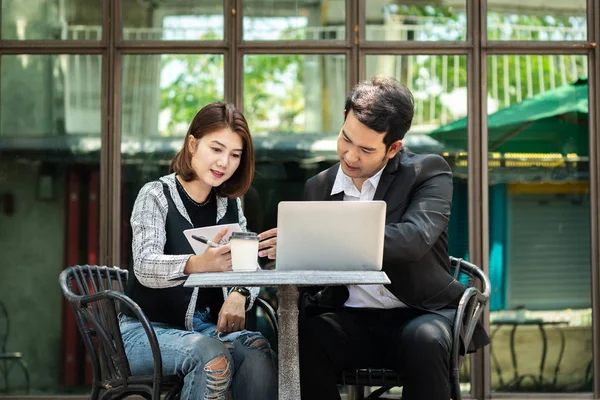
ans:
(361, 150)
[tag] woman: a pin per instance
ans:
(200, 331)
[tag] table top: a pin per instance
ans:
(279, 278)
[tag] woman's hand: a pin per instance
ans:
(214, 259)
(232, 316)
(267, 246)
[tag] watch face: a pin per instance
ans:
(243, 291)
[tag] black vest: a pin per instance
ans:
(170, 305)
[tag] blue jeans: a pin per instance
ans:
(210, 363)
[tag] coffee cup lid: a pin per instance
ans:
(244, 235)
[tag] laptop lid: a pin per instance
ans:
(330, 235)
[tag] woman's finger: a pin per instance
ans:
(267, 243)
(219, 236)
(267, 234)
(271, 251)
(224, 249)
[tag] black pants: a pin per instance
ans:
(405, 340)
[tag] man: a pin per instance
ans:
(407, 325)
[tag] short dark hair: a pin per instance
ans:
(211, 118)
(384, 105)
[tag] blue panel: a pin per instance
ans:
(498, 238)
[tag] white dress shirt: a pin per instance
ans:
(364, 296)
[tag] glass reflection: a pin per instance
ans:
(294, 20)
(49, 211)
(173, 20)
(416, 20)
(294, 93)
(555, 20)
(52, 19)
(162, 93)
(539, 224)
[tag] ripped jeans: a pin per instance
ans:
(210, 363)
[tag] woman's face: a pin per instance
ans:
(216, 156)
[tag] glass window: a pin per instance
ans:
(294, 105)
(52, 19)
(294, 20)
(414, 20)
(528, 20)
(161, 95)
(49, 207)
(173, 20)
(439, 88)
(539, 215)
(300, 93)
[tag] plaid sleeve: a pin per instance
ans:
(151, 266)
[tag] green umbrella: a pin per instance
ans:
(555, 121)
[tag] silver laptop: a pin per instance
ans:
(330, 235)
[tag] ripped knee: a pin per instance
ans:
(218, 374)
(258, 342)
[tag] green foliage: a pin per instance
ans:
(198, 82)
(273, 91)
(272, 88)
(194, 87)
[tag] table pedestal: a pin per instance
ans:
(289, 371)
(288, 282)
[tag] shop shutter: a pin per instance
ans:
(549, 251)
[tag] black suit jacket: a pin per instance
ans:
(418, 192)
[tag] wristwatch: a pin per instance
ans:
(243, 291)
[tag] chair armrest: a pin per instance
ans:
(141, 317)
(469, 310)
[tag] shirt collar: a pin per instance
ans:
(343, 183)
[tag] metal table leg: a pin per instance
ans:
(494, 358)
(560, 356)
(544, 353)
(513, 357)
(289, 361)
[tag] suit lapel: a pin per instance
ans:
(331, 174)
(387, 177)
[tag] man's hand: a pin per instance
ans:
(214, 259)
(268, 244)
(232, 316)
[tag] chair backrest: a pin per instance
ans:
(94, 294)
(472, 303)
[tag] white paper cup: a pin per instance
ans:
(244, 251)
